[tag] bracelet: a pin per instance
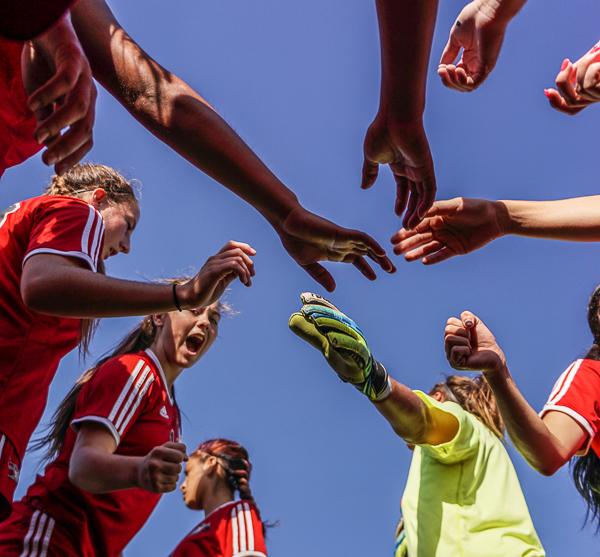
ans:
(175, 298)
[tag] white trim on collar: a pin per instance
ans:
(156, 361)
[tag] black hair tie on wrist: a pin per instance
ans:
(458, 23)
(175, 298)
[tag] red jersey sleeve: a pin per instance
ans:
(116, 394)
(69, 227)
(575, 393)
(197, 546)
(242, 534)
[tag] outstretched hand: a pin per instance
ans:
(405, 149)
(309, 239)
(479, 34)
(577, 84)
(451, 227)
(470, 345)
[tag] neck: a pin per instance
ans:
(214, 500)
(170, 370)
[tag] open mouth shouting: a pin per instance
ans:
(194, 343)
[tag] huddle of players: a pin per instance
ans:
(52, 250)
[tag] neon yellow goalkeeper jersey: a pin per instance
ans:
(463, 498)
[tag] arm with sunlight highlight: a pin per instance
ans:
(177, 115)
(546, 443)
(461, 225)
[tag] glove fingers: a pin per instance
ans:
(311, 298)
(308, 332)
(325, 323)
(341, 342)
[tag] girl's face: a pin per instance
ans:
(120, 220)
(200, 476)
(186, 335)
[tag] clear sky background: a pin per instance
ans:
(299, 82)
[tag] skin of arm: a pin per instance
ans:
(413, 420)
(546, 443)
(57, 285)
(172, 111)
(396, 136)
(176, 114)
(95, 468)
(459, 226)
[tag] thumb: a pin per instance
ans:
(469, 319)
(451, 50)
(441, 208)
(369, 173)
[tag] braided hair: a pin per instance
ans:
(235, 461)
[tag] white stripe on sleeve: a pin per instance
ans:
(138, 400)
(131, 398)
(249, 526)
(570, 375)
(125, 390)
(39, 531)
(234, 531)
(85, 236)
(96, 243)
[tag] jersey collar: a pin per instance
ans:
(156, 362)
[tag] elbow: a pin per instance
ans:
(547, 469)
(34, 295)
(79, 478)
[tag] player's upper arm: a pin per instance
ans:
(570, 437)
(92, 438)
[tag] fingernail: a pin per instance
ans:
(564, 64)
(42, 136)
(469, 323)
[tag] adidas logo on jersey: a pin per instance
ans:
(163, 412)
(13, 471)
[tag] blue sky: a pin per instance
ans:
(299, 81)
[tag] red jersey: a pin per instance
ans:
(129, 396)
(17, 122)
(577, 394)
(231, 530)
(26, 19)
(32, 344)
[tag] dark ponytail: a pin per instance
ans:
(586, 469)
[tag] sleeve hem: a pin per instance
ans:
(249, 554)
(100, 420)
(77, 254)
(578, 418)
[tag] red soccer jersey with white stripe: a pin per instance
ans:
(576, 393)
(32, 344)
(231, 530)
(129, 396)
(17, 122)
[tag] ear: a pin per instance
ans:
(439, 396)
(99, 196)
(159, 319)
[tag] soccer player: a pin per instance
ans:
(460, 473)
(567, 429)
(231, 528)
(52, 249)
(461, 225)
(114, 444)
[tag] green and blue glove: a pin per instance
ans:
(342, 343)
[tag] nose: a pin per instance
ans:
(125, 245)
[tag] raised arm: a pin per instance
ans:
(546, 443)
(172, 111)
(95, 468)
(461, 225)
(396, 136)
(344, 347)
(58, 285)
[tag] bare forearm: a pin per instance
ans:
(406, 31)
(99, 472)
(530, 435)
(75, 292)
(405, 412)
(171, 110)
(576, 219)
(503, 10)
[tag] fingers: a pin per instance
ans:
(321, 275)
(73, 159)
(565, 82)
(361, 264)
(451, 50)
(172, 452)
(232, 244)
(411, 218)
(410, 242)
(454, 79)
(58, 86)
(71, 146)
(560, 104)
(428, 190)
(439, 256)
(428, 249)
(402, 193)
(366, 244)
(369, 173)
